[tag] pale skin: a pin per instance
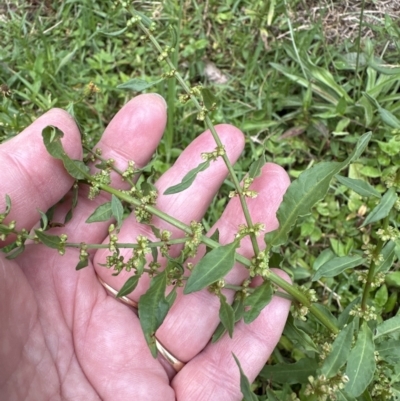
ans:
(62, 337)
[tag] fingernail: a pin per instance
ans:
(165, 103)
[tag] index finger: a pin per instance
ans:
(33, 179)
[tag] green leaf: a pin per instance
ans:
(245, 386)
(393, 279)
(214, 237)
(343, 318)
(388, 253)
(361, 187)
(82, 264)
(187, 180)
(212, 267)
(255, 168)
(388, 327)
(75, 193)
(129, 286)
(153, 307)
(101, 213)
(44, 221)
(257, 301)
(383, 208)
(339, 353)
(309, 188)
(8, 205)
(337, 265)
(298, 337)
(389, 350)
(52, 241)
(226, 314)
(117, 210)
(52, 140)
(208, 98)
(361, 363)
(387, 117)
(15, 252)
(138, 85)
(238, 309)
(290, 373)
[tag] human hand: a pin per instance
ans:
(61, 335)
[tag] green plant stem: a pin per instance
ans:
(359, 46)
(126, 245)
(280, 282)
(214, 133)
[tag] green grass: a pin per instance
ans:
(296, 95)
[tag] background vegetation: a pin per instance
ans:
(303, 81)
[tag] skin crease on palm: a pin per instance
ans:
(62, 337)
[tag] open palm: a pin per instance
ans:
(61, 335)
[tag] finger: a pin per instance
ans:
(214, 375)
(185, 206)
(194, 317)
(33, 179)
(133, 134)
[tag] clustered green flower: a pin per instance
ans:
(370, 254)
(389, 233)
(325, 388)
(245, 230)
(367, 314)
(130, 171)
(245, 190)
(381, 387)
(61, 246)
(217, 152)
(377, 281)
(190, 248)
(260, 265)
(98, 179)
(300, 311)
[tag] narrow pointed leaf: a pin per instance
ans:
(52, 140)
(101, 213)
(82, 264)
(290, 373)
(383, 208)
(388, 253)
(339, 353)
(117, 210)
(52, 241)
(128, 287)
(44, 221)
(187, 180)
(257, 301)
(388, 327)
(16, 252)
(255, 168)
(153, 307)
(226, 315)
(337, 265)
(361, 363)
(8, 205)
(389, 350)
(298, 337)
(309, 188)
(137, 84)
(212, 267)
(245, 386)
(361, 187)
(238, 310)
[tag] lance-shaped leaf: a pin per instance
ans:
(337, 265)
(339, 353)
(129, 286)
(188, 179)
(52, 140)
(212, 267)
(82, 264)
(17, 251)
(388, 253)
(309, 188)
(383, 208)
(52, 241)
(361, 363)
(389, 350)
(257, 301)
(298, 337)
(290, 373)
(226, 314)
(117, 210)
(255, 168)
(153, 307)
(138, 85)
(8, 206)
(101, 213)
(387, 327)
(361, 187)
(245, 386)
